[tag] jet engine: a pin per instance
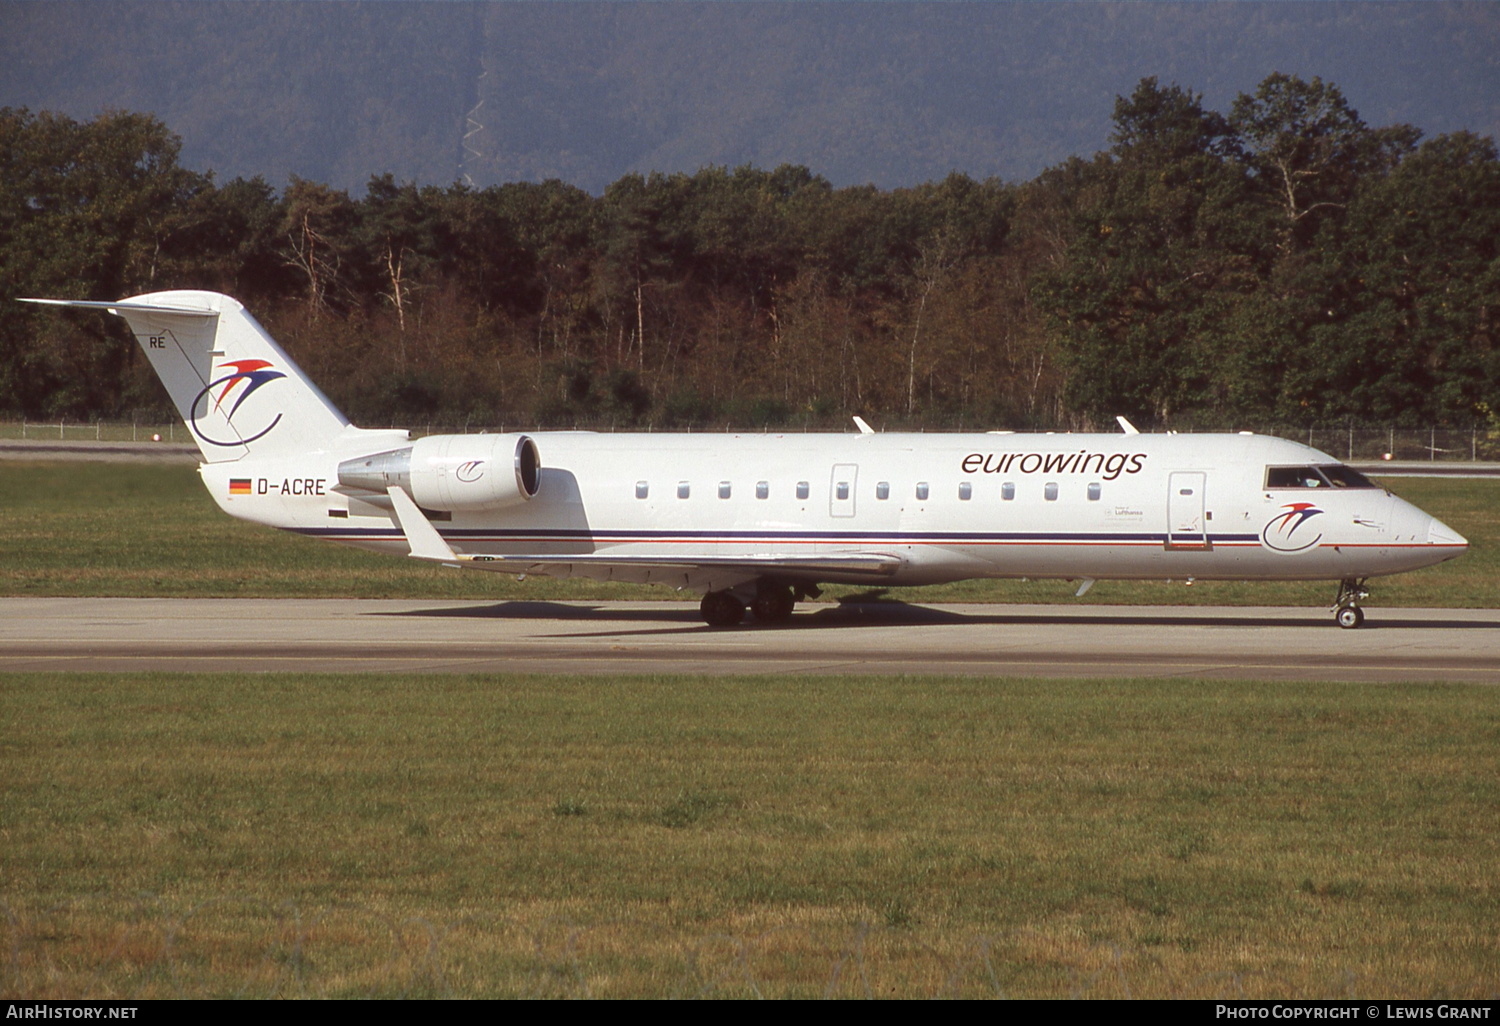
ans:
(452, 472)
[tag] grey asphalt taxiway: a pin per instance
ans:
(350, 635)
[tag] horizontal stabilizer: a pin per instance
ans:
(89, 304)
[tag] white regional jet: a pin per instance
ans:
(760, 521)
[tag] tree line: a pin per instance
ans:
(1279, 263)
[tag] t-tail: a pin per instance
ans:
(237, 390)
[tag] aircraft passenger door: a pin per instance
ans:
(1186, 524)
(841, 489)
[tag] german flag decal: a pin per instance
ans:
(239, 486)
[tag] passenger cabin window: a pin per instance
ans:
(922, 490)
(1094, 492)
(723, 489)
(762, 489)
(841, 490)
(683, 489)
(883, 490)
(642, 489)
(1008, 491)
(1333, 475)
(1049, 491)
(802, 489)
(965, 491)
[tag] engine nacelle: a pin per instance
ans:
(453, 472)
(473, 472)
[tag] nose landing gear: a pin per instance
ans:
(1346, 611)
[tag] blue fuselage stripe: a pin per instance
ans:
(799, 537)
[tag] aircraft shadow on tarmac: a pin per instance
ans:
(552, 611)
(892, 613)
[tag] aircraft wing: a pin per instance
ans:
(699, 573)
(873, 563)
(426, 543)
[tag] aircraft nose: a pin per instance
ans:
(1439, 533)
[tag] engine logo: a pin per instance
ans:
(470, 472)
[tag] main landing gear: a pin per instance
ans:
(721, 609)
(1346, 611)
(773, 603)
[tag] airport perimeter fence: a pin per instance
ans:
(1350, 443)
(64, 430)
(1374, 444)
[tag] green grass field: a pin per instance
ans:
(309, 836)
(644, 837)
(132, 530)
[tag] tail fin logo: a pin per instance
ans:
(224, 396)
(1284, 531)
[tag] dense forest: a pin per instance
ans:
(1279, 263)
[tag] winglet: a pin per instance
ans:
(423, 538)
(1126, 426)
(864, 428)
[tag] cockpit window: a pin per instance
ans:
(1295, 477)
(1342, 477)
(1332, 475)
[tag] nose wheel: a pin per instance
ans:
(1346, 611)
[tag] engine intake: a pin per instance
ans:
(452, 472)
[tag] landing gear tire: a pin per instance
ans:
(721, 609)
(773, 603)
(1346, 611)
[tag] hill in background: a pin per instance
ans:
(888, 93)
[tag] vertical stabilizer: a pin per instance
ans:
(238, 392)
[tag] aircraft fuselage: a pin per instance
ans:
(949, 507)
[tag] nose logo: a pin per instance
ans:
(1288, 531)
